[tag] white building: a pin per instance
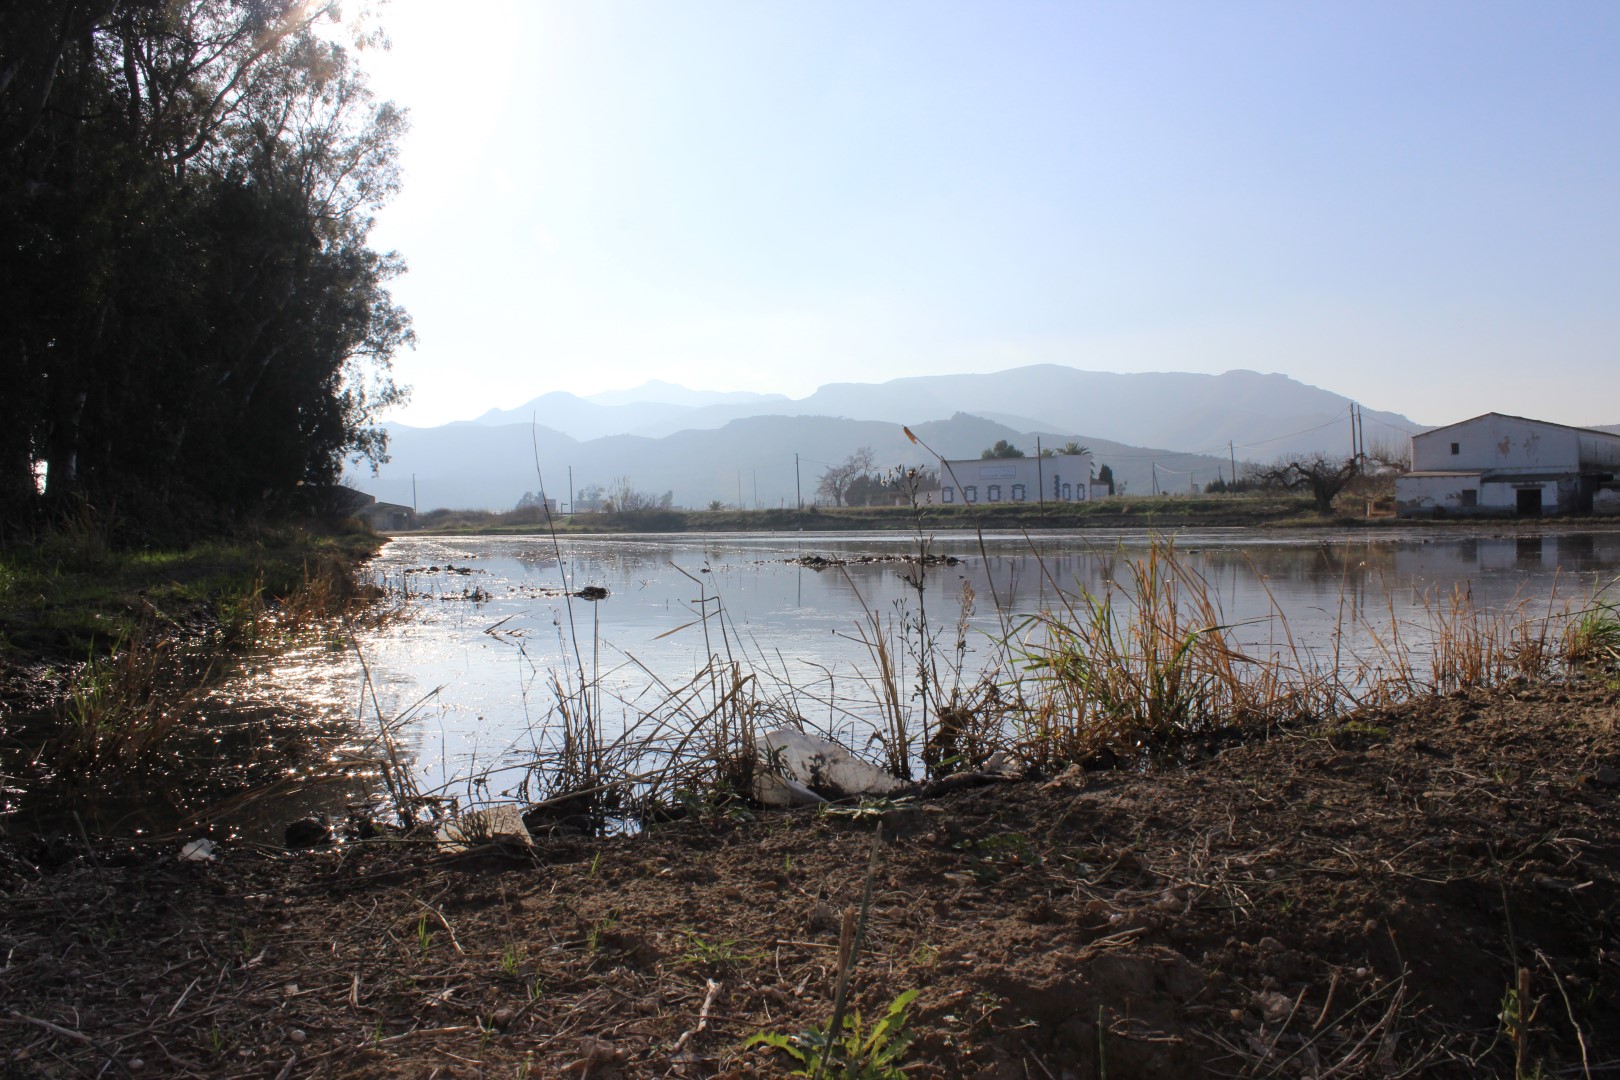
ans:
(1507, 465)
(1062, 478)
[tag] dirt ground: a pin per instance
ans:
(1428, 891)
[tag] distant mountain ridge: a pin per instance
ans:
(1185, 412)
(1166, 429)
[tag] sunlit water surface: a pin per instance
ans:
(491, 635)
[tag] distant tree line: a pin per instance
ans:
(856, 481)
(194, 324)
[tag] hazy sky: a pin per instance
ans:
(1414, 204)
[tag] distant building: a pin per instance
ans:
(382, 516)
(1062, 478)
(389, 517)
(1508, 466)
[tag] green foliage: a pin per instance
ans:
(1594, 637)
(715, 954)
(196, 328)
(1002, 449)
(857, 1053)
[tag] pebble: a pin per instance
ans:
(297, 1035)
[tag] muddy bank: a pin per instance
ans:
(1369, 899)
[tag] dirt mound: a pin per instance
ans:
(1431, 890)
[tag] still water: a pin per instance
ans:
(493, 639)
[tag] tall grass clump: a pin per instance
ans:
(1470, 647)
(120, 706)
(1146, 663)
(1593, 637)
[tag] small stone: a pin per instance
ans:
(308, 832)
(297, 1035)
(135, 1065)
(1606, 776)
(503, 1017)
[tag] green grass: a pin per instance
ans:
(66, 597)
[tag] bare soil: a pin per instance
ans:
(1366, 899)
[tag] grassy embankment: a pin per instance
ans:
(106, 653)
(73, 594)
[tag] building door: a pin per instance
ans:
(1529, 502)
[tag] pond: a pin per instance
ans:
(495, 649)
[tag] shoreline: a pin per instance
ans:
(1120, 513)
(1362, 895)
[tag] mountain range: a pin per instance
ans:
(1169, 429)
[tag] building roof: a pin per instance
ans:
(1522, 419)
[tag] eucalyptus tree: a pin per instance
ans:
(186, 195)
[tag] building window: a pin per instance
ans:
(994, 493)
(1068, 491)
(1456, 448)
(1018, 493)
(1469, 497)
(947, 494)
(970, 493)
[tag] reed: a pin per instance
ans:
(1142, 667)
(1149, 662)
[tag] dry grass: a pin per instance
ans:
(1143, 667)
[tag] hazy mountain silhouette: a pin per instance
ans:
(708, 445)
(1262, 415)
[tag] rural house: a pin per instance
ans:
(1508, 465)
(1061, 478)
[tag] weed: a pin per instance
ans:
(706, 954)
(424, 936)
(854, 1053)
(509, 959)
(1593, 637)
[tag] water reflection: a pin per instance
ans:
(495, 634)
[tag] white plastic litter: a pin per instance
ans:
(198, 850)
(504, 822)
(813, 766)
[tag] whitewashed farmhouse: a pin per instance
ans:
(1508, 465)
(1060, 478)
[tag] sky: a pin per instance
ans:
(1416, 205)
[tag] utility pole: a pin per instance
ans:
(1155, 477)
(1231, 453)
(798, 492)
(756, 489)
(570, 489)
(740, 504)
(1040, 481)
(413, 493)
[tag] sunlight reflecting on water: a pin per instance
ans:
(493, 639)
